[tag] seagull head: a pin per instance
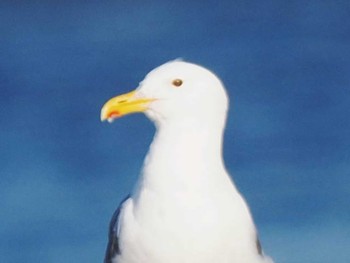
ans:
(174, 91)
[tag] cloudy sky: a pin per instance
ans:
(285, 65)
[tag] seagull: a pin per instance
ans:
(184, 208)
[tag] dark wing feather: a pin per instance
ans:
(113, 243)
(258, 246)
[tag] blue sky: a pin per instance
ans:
(285, 65)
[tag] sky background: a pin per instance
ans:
(285, 65)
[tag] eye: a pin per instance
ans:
(177, 82)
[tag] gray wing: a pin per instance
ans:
(258, 246)
(113, 242)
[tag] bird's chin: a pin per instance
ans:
(153, 115)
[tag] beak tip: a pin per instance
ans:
(103, 115)
(106, 117)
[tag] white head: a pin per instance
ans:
(175, 91)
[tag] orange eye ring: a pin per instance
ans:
(177, 82)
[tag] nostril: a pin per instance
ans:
(122, 101)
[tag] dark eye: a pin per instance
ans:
(177, 82)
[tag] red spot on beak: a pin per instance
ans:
(114, 114)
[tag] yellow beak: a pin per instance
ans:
(122, 105)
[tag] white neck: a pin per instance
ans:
(185, 155)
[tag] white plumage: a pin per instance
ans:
(185, 207)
